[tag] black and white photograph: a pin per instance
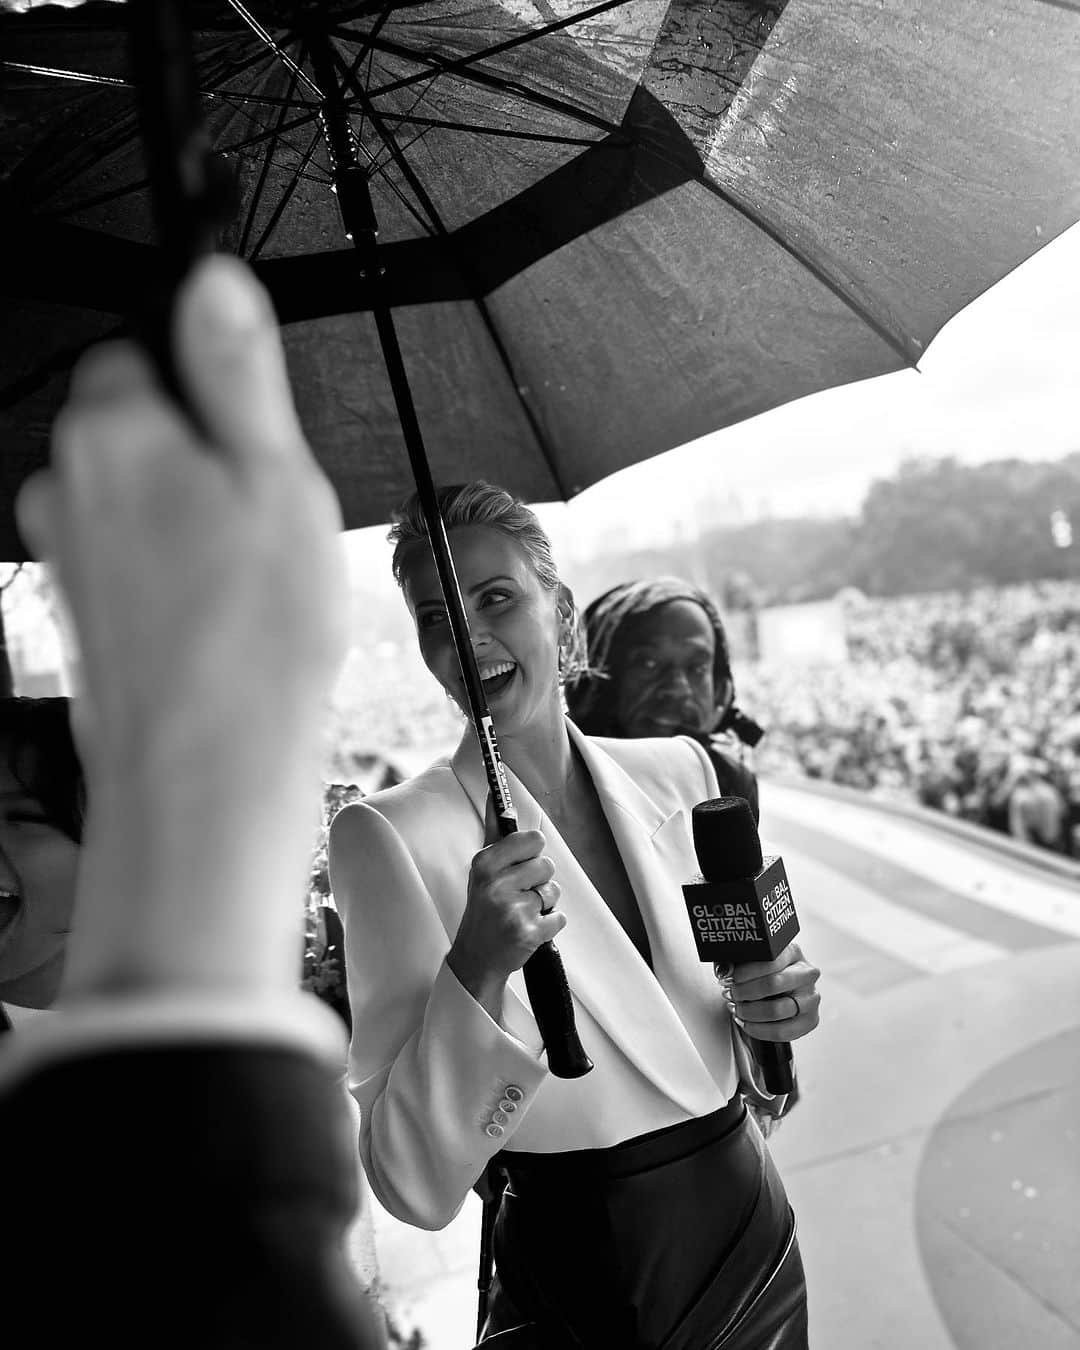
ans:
(540, 674)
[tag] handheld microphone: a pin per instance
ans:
(741, 908)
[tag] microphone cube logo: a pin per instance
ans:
(749, 919)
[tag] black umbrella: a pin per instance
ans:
(606, 228)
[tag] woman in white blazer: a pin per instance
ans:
(643, 1209)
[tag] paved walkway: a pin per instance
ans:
(934, 1160)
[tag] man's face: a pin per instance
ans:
(662, 671)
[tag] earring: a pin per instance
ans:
(564, 649)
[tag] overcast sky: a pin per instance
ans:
(1001, 380)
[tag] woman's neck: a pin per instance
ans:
(544, 761)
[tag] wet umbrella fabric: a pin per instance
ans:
(606, 228)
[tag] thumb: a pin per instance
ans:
(230, 360)
(36, 514)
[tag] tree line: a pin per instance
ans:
(935, 525)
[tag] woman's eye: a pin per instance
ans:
(494, 598)
(649, 663)
(431, 617)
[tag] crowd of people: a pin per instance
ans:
(965, 702)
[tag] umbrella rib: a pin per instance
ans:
(488, 80)
(261, 100)
(114, 82)
(265, 131)
(478, 299)
(88, 203)
(56, 73)
(282, 55)
(57, 364)
(264, 172)
(367, 50)
(504, 132)
(111, 132)
(238, 67)
(423, 93)
(417, 215)
(897, 341)
(433, 225)
(286, 197)
(461, 62)
(303, 120)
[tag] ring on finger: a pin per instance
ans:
(798, 1010)
(547, 894)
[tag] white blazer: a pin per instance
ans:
(441, 1086)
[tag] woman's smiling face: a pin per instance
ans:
(513, 618)
(38, 864)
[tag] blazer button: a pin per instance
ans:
(493, 1130)
(507, 1105)
(514, 1093)
(499, 1117)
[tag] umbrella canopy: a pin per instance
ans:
(606, 228)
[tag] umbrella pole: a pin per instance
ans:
(545, 978)
(189, 187)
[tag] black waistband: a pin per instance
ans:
(644, 1152)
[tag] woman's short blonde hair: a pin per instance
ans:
(480, 503)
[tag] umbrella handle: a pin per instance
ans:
(190, 188)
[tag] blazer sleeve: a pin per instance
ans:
(211, 1180)
(441, 1086)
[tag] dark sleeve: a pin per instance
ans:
(735, 779)
(192, 1195)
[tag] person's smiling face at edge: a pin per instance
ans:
(661, 667)
(38, 865)
(514, 621)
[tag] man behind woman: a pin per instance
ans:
(659, 665)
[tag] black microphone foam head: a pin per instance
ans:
(726, 839)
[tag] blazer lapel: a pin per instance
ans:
(642, 1013)
(658, 853)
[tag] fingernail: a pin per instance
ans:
(225, 295)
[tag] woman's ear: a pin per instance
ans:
(571, 646)
(566, 606)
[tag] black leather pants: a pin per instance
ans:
(678, 1240)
